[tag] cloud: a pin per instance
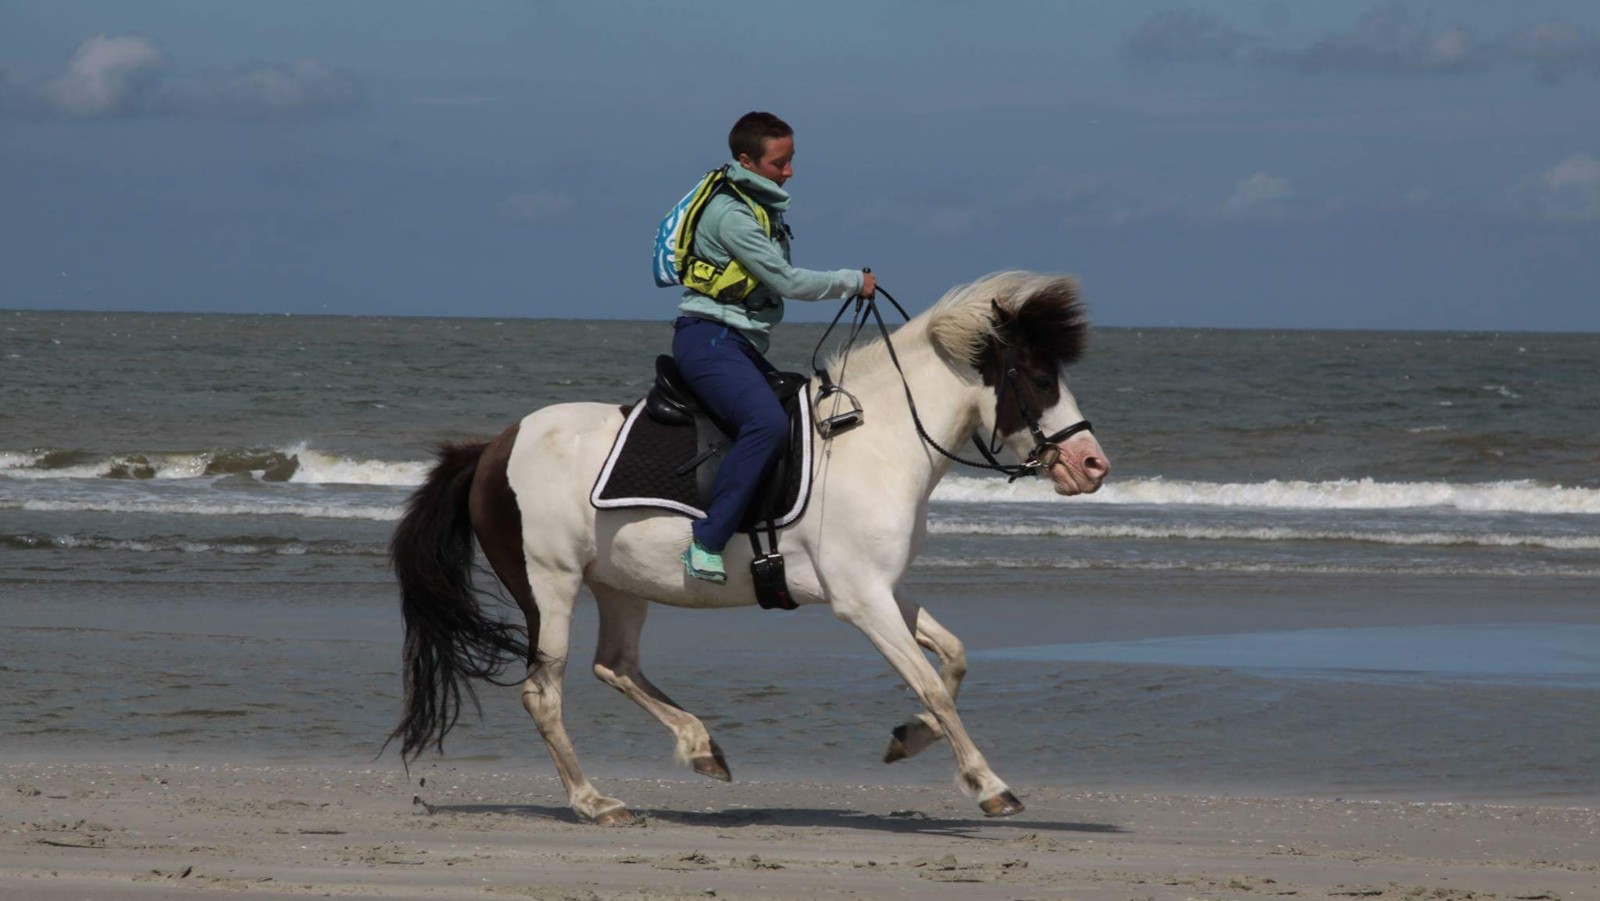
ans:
(1389, 39)
(1112, 211)
(1569, 191)
(124, 76)
(538, 206)
(266, 91)
(453, 99)
(1417, 198)
(940, 220)
(1185, 35)
(1556, 49)
(1261, 196)
(105, 76)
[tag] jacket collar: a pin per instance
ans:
(762, 190)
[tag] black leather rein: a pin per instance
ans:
(1041, 457)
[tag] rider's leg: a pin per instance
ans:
(728, 374)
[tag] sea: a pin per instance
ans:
(1352, 564)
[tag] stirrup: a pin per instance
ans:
(838, 423)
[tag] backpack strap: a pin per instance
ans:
(731, 283)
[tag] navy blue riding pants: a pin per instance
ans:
(728, 374)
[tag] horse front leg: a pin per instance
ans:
(616, 663)
(887, 624)
(915, 735)
(555, 595)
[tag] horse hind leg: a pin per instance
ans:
(616, 663)
(921, 731)
(556, 594)
(546, 594)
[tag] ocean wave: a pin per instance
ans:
(297, 463)
(317, 468)
(1275, 566)
(244, 545)
(18, 459)
(1523, 496)
(207, 508)
(1231, 533)
(267, 464)
(78, 465)
(301, 464)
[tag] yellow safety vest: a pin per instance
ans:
(731, 283)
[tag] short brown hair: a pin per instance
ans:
(752, 132)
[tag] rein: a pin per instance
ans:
(1044, 454)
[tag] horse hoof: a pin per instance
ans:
(1002, 805)
(618, 817)
(714, 767)
(897, 746)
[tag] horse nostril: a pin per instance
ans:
(1096, 467)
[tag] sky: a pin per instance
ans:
(1255, 164)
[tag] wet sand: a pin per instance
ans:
(85, 831)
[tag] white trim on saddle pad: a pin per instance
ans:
(662, 503)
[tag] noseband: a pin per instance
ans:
(1045, 453)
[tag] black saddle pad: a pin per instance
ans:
(646, 468)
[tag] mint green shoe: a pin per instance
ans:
(701, 564)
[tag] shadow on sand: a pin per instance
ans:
(909, 822)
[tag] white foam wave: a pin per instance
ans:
(180, 466)
(18, 459)
(155, 466)
(204, 508)
(1289, 567)
(25, 465)
(1224, 533)
(325, 469)
(245, 547)
(312, 467)
(1524, 496)
(85, 471)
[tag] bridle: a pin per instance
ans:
(1045, 453)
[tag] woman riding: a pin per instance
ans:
(718, 341)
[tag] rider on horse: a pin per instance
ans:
(718, 341)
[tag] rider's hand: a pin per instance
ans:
(869, 285)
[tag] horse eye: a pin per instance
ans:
(1043, 382)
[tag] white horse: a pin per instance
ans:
(990, 357)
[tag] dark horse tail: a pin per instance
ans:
(450, 638)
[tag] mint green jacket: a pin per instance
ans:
(728, 230)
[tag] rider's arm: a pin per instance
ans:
(744, 239)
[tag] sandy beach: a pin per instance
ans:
(1254, 666)
(86, 831)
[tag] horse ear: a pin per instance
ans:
(1005, 323)
(1002, 316)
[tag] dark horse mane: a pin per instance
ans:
(1040, 315)
(1050, 323)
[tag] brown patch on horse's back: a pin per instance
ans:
(498, 521)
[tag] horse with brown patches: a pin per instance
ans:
(989, 357)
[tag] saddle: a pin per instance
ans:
(668, 451)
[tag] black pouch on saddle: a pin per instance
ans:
(772, 586)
